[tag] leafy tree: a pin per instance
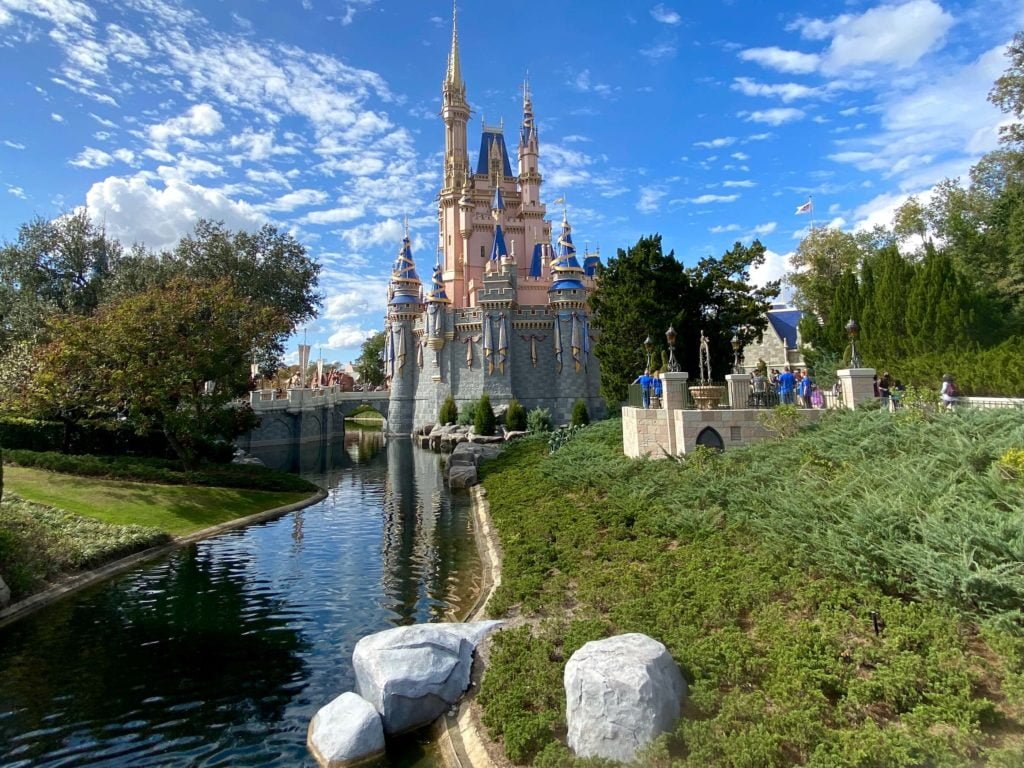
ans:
(642, 291)
(820, 260)
(484, 421)
(56, 266)
(1008, 91)
(370, 365)
(639, 292)
(147, 363)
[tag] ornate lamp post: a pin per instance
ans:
(852, 330)
(670, 336)
(737, 345)
(648, 348)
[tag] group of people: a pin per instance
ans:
(785, 387)
(650, 388)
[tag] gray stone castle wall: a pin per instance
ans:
(417, 394)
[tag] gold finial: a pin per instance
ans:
(406, 219)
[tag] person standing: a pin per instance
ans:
(655, 390)
(787, 384)
(644, 380)
(803, 389)
(948, 392)
(758, 385)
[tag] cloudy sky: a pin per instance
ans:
(705, 122)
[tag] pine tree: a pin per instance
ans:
(484, 421)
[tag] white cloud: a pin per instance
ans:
(784, 61)
(719, 229)
(584, 83)
(16, 191)
(90, 157)
(664, 15)
(57, 118)
(133, 210)
(786, 91)
(372, 235)
(775, 267)
(705, 199)
(650, 199)
(13, 144)
(334, 215)
(741, 156)
(718, 143)
(740, 183)
(348, 337)
(663, 50)
(891, 35)
(764, 229)
(200, 120)
(776, 116)
(300, 198)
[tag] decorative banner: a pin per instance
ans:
(488, 345)
(574, 341)
(502, 344)
(586, 342)
(558, 343)
(469, 341)
(400, 348)
(303, 363)
(533, 339)
(319, 371)
(419, 353)
(389, 357)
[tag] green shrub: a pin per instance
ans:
(515, 416)
(166, 471)
(483, 420)
(539, 420)
(580, 416)
(782, 420)
(449, 413)
(1011, 464)
(467, 415)
(562, 436)
(31, 434)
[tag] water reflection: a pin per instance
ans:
(220, 654)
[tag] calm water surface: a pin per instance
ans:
(220, 654)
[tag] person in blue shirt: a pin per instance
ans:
(644, 380)
(787, 383)
(803, 389)
(656, 390)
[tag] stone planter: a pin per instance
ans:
(706, 397)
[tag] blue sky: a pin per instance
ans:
(705, 122)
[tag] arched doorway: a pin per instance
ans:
(710, 437)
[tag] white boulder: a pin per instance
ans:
(413, 674)
(621, 693)
(345, 732)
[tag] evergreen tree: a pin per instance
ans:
(580, 417)
(515, 416)
(449, 413)
(883, 327)
(483, 420)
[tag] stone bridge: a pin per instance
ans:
(295, 416)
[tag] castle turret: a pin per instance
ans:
(405, 307)
(529, 154)
(455, 111)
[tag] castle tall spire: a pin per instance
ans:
(454, 76)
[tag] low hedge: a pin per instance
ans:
(167, 471)
(39, 543)
(31, 434)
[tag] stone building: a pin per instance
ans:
(781, 342)
(505, 313)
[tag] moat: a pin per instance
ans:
(222, 652)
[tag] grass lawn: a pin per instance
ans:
(176, 509)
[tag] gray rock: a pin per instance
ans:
(463, 476)
(486, 439)
(345, 732)
(5, 594)
(515, 435)
(621, 693)
(413, 674)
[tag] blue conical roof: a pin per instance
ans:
(437, 294)
(498, 204)
(565, 268)
(405, 283)
(498, 249)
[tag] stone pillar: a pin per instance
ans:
(856, 385)
(673, 390)
(739, 389)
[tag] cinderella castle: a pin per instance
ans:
(505, 313)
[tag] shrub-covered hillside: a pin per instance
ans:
(760, 569)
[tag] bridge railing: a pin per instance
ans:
(309, 397)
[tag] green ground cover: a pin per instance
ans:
(760, 568)
(52, 525)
